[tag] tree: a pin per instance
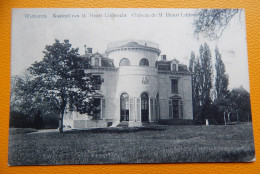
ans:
(211, 23)
(27, 106)
(191, 62)
(241, 98)
(225, 106)
(62, 77)
(21, 98)
(236, 104)
(221, 80)
(195, 67)
(202, 83)
(206, 80)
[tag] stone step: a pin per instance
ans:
(123, 124)
(149, 123)
(127, 124)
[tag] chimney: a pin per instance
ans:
(163, 57)
(89, 50)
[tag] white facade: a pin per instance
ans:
(137, 87)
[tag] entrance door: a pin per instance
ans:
(124, 107)
(145, 107)
(97, 109)
(175, 108)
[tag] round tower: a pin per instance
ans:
(137, 84)
(133, 51)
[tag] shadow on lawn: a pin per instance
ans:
(115, 130)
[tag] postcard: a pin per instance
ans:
(113, 86)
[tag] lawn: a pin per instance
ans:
(153, 144)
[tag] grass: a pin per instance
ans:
(21, 130)
(154, 144)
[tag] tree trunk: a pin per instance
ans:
(61, 122)
(207, 122)
(225, 118)
(228, 117)
(63, 106)
(237, 117)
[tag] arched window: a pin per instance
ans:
(124, 62)
(144, 62)
(144, 95)
(144, 107)
(124, 107)
(96, 62)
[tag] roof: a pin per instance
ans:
(133, 41)
(165, 65)
(133, 45)
(105, 62)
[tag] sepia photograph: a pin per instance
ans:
(125, 86)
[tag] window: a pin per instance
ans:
(181, 109)
(145, 101)
(103, 107)
(175, 108)
(170, 108)
(144, 62)
(96, 63)
(97, 108)
(97, 82)
(144, 107)
(124, 107)
(173, 67)
(174, 85)
(138, 117)
(124, 62)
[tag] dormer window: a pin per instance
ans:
(96, 62)
(174, 67)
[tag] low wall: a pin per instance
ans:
(176, 122)
(81, 124)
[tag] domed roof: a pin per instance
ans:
(133, 45)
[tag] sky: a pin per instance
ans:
(172, 29)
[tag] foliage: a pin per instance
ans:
(192, 61)
(221, 80)
(235, 103)
(241, 98)
(19, 120)
(61, 76)
(225, 106)
(28, 108)
(205, 80)
(223, 101)
(211, 23)
(202, 83)
(235, 106)
(196, 86)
